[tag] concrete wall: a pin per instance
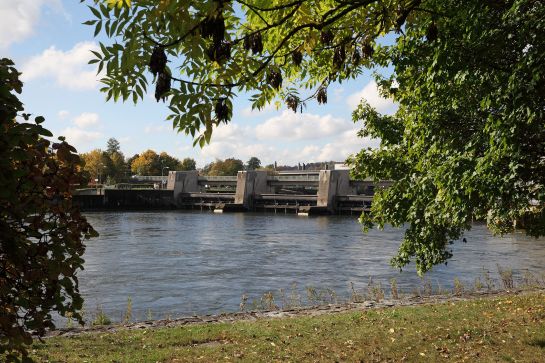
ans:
(183, 182)
(331, 184)
(126, 199)
(250, 184)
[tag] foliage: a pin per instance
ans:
(147, 163)
(41, 232)
(112, 146)
(230, 166)
(117, 168)
(167, 161)
(468, 140)
(151, 163)
(200, 54)
(104, 165)
(95, 165)
(188, 164)
(253, 163)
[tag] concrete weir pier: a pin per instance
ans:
(299, 192)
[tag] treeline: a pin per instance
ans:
(230, 166)
(110, 166)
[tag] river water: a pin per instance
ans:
(179, 263)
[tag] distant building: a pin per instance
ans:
(341, 166)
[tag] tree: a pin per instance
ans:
(112, 146)
(96, 165)
(253, 163)
(188, 164)
(130, 160)
(41, 232)
(102, 165)
(230, 166)
(466, 142)
(118, 168)
(151, 163)
(147, 163)
(168, 163)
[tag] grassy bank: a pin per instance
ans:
(508, 328)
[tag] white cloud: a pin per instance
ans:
(371, 94)
(297, 126)
(156, 129)
(19, 17)
(62, 114)
(333, 139)
(268, 108)
(124, 139)
(69, 68)
(346, 144)
(80, 139)
(232, 132)
(86, 119)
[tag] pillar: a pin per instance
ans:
(250, 184)
(183, 182)
(331, 184)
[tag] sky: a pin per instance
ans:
(51, 47)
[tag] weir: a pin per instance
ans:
(301, 192)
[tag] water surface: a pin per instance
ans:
(181, 263)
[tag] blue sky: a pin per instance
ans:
(49, 44)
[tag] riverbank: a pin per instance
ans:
(484, 327)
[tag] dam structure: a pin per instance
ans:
(301, 192)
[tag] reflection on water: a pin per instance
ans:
(182, 263)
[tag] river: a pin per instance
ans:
(179, 263)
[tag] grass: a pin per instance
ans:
(508, 328)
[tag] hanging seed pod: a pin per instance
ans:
(219, 28)
(158, 60)
(367, 50)
(205, 28)
(321, 96)
(219, 52)
(297, 57)
(292, 102)
(402, 15)
(339, 57)
(256, 43)
(247, 43)
(356, 57)
(327, 37)
(274, 78)
(221, 110)
(162, 86)
(213, 27)
(432, 32)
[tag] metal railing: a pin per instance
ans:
(157, 178)
(218, 178)
(307, 177)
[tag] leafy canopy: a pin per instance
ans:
(229, 166)
(151, 163)
(200, 54)
(468, 140)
